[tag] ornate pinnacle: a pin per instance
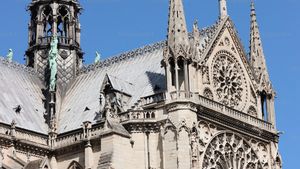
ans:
(223, 8)
(177, 29)
(257, 57)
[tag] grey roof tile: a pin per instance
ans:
(21, 86)
(141, 68)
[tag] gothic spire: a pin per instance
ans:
(177, 29)
(223, 8)
(257, 58)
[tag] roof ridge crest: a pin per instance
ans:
(123, 56)
(18, 66)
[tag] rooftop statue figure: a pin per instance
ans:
(10, 55)
(97, 58)
(52, 62)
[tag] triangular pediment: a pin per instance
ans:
(229, 75)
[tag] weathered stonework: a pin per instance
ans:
(194, 101)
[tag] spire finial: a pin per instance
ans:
(177, 29)
(223, 8)
(257, 57)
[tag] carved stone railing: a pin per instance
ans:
(28, 136)
(235, 113)
(5, 129)
(69, 139)
(61, 40)
(78, 136)
(218, 107)
(23, 135)
(148, 100)
(137, 115)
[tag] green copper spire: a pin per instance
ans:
(97, 58)
(10, 55)
(52, 63)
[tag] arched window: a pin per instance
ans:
(47, 19)
(263, 99)
(63, 22)
(208, 94)
(172, 70)
(75, 165)
(181, 77)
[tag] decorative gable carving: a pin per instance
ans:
(229, 74)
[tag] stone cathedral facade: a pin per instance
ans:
(196, 100)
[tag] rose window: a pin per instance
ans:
(228, 80)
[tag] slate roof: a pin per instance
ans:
(137, 73)
(20, 86)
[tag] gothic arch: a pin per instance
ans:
(63, 20)
(228, 150)
(75, 165)
(46, 16)
(208, 93)
(252, 111)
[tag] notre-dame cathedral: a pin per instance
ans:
(195, 100)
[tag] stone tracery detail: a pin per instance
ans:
(208, 94)
(228, 80)
(230, 151)
(252, 111)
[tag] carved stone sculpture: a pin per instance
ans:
(52, 63)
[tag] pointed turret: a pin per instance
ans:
(196, 41)
(265, 91)
(177, 29)
(223, 8)
(176, 54)
(257, 58)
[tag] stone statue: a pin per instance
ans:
(52, 62)
(97, 58)
(10, 55)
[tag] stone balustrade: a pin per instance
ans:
(139, 115)
(28, 136)
(234, 113)
(61, 40)
(199, 100)
(153, 98)
(69, 139)
(21, 134)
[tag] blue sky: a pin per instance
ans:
(115, 26)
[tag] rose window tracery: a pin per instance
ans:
(229, 151)
(228, 80)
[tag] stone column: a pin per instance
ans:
(169, 76)
(88, 152)
(186, 78)
(53, 162)
(176, 76)
(259, 107)
(271, 110)
(88, 156)
(54, 26)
